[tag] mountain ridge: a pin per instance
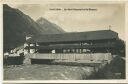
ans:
(17, 25)
(46, 24)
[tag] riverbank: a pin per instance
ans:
(46, 72)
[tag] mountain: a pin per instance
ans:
(48, 26)
(17, 25)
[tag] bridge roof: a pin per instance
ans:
(75, 37)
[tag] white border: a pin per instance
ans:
(1, 43)
(64, 1)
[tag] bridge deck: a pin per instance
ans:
(73, 57)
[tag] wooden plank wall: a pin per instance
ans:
(72, 56)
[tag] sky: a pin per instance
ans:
(102, 17)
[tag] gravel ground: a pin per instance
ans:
(46, 72)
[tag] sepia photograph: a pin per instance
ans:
(64, 41)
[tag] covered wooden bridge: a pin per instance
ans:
(93, 46)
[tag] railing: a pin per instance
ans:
(72, 56)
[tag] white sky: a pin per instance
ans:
(70, 21)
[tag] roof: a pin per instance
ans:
(74, 37)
